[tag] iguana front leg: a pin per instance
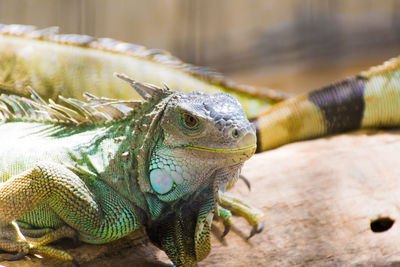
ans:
(228, 204)
(92, 212)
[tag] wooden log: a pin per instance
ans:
(328, 202)
(332, 201)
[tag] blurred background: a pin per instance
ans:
(284, 44)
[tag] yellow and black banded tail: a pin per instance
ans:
(368, 100)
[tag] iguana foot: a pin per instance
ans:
(236, 205)
(12, 240)
(32, 235)
(26, 230)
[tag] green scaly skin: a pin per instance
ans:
(47, 61)
(368, 100)
(160, 164)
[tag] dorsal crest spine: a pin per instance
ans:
(68, 111)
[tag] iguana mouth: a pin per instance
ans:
(245, 143)
(222, 150)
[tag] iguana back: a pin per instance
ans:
(71, 64)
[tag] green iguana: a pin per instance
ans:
(22, 49)
(100, 170)
(71, 64)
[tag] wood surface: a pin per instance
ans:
(328, 202)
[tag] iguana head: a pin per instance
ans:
(189, 141)
(201, 144)
(202, 135)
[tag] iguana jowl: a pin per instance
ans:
(102, 169)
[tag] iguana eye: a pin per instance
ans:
(190, 121)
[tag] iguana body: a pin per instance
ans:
(100, 170)
(47, 61)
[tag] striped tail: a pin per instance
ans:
(369, 100)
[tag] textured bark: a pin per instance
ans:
(320, 198)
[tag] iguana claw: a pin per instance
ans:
(19, 256)
(256, 229)
(225, 215)
(226, 231)
(246, 181)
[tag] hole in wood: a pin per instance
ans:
(381, 224)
